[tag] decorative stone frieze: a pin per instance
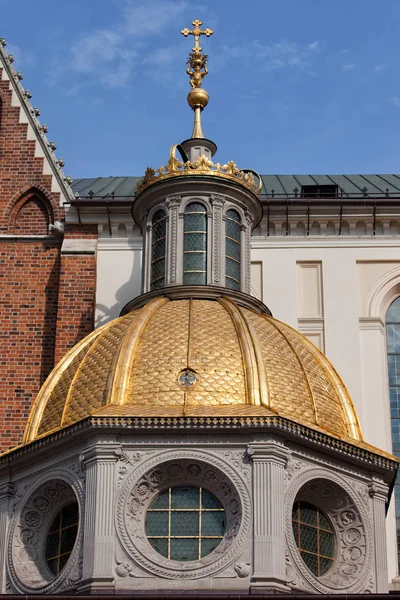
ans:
(31, 520)
(334, 496)
(182, 467)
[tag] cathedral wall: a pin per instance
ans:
(29, 279)
(76, 300)
(21, 166)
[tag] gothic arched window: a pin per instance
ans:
(393, 356)
(232, 250)
(158, 246)
(195, 245)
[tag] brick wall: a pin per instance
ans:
(46, 298)
(76, 302)
(29, 277)
(32, 218)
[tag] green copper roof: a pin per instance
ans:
(274, 186)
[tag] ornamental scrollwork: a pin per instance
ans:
(26, 559)
(185, 467)
(337, 499)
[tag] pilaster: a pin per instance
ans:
(246, 274)
(7, 491)
(269, 462)
(99, 536)
(378, 491)
(173, 203)
(217, 202)
(146, 270)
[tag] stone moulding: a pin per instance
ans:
(335, 496)
(27, 534)
(245, 425)
(193, 467)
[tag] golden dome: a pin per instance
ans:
(243, 363)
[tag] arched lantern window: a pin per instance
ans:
(158, 248)
(232, 250)
(195, 245)
(393, 357)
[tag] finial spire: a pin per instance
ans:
(197, 70)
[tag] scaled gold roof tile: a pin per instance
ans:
(240, 363)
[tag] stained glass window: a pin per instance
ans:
(158, 245)
(185, 523)
(232, 250)
(61, 537)
(315, 537)
(393, 356)
(195, 245)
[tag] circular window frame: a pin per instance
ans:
(335, 498)
(172, 469)
(29, 527)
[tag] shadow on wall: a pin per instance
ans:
(50, 319)
(126, 292)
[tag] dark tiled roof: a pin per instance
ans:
(278, 186)
(122, 187)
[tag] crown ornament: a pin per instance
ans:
(202, 166)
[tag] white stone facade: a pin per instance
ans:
(114, 468)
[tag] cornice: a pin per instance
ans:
(262, 243)
(205, 425)
(120, 244)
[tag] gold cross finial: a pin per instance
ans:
(196, 32)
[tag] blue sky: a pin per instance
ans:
(296, 86)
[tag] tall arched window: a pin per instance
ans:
(393, 355)
(195, 245)
(232, 250)
(158, 245)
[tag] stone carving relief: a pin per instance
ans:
(294, 578)
(292, 468)
(126, 461)
(182, 467)
(334, 496)
(242, 569)
(28, 529)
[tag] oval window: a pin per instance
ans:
(61, 537)
(315, 537)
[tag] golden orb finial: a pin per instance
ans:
(197, 70)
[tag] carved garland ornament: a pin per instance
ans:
(32, 518)
(335, 498)
(183, 467)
